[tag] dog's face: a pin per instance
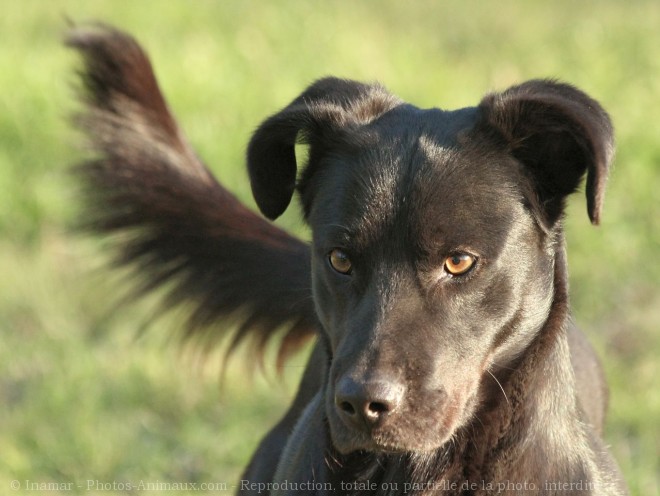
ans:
(428, 271)
(433, 244)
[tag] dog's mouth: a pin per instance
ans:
(413, 427)
(393, 439)
(375, 443)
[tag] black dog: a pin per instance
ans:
(446, 360)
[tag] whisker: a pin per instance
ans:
(500, 385)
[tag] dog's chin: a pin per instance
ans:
(391, 440)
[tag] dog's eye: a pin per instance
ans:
(459, 263)
(340, 262)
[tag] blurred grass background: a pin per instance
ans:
(85, 396)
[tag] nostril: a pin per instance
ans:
(376, 408)
(347, 407)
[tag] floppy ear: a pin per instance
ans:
(558, 133)
(324, 108)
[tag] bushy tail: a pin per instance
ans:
(172, 221)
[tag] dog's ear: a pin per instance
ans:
(324, 108)
(558, 133)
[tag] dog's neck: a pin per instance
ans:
(516, 430)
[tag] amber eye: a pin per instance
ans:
(459, 263)
(339, 261)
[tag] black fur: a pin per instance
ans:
(173, 222)
(423, 380)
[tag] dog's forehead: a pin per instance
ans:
(419, 169)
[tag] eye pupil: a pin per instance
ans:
(340, 262)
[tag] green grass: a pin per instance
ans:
(84, 396)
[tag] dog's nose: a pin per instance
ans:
(364, 405)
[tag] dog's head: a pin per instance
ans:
(434, 239)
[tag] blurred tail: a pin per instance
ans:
(174, 223)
